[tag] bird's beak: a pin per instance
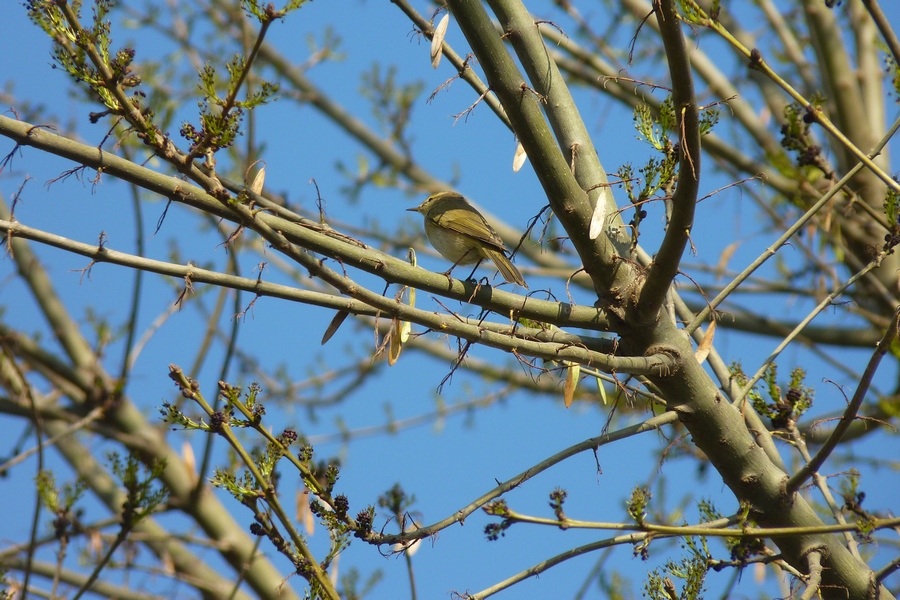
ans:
(416, 209)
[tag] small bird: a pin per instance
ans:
(461, 234)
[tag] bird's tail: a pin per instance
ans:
(507, 269)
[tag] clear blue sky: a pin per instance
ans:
(445, 464)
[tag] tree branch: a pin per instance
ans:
(310, 235)
(850, 413)
(523, 106)
(663, 269)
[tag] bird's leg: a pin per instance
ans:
(471, 276)
(457, 263)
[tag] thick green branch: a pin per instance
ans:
(523, 33)
(662, 271)
(523, 104)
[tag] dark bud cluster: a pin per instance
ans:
(217, 420)
(495, 531)
(755, 58)
(341, 506)
(891, 240)
(747, 549)
(288, 437)
(363, 523)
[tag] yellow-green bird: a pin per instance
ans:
(462, 235)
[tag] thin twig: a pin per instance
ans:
(850, 413)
